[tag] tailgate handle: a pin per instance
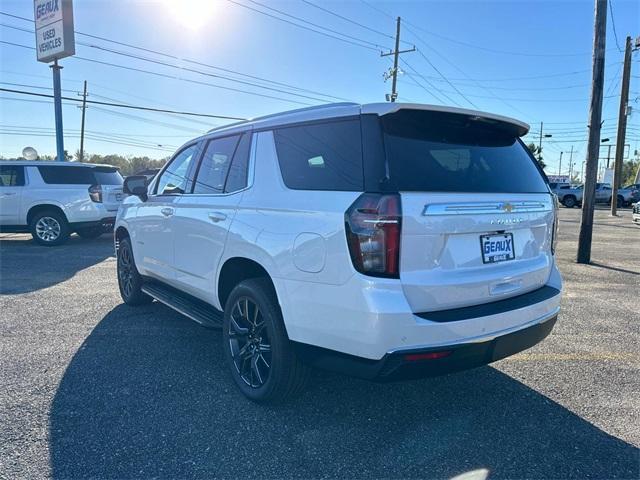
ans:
(505, 287)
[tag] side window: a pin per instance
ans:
(215, 165)
(174, 178)
(237, 176)
(321, 156)
(67, 175)
(11, 176)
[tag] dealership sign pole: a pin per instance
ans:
(55, 40)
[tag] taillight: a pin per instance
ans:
(554, 230)
(373, 225)
(95, 193)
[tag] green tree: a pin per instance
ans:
(536, 151)
(629, 169)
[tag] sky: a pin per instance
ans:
(530, 60)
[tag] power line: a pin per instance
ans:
(163, 75)
(331, 12)
(432, 86)
(153, 147)
(532, 77)
(8, 130)
(613, 24)
(120, 105)
(445, 78)
(101, 132)
(186, 69)
(499, 98)
(314, 24)
(303, 26)
(478, 47)
(528, 89)
(175, 57)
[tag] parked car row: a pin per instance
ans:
(571, 195)
(51, 200)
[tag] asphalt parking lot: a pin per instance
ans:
(92, 388)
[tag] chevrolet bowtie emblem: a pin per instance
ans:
(507, 207)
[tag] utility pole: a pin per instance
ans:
(570, 163)
(57, 108)
(560, 165)
(622, 127)
(84, 107)
(396, 53)
(548, 135)
(593, 145)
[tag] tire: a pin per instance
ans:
(621, 202)
(129, 280)
(90, 233)
(569, 201)
(49, 228)
(257, 349)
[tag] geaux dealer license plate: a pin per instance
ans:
(497, 248)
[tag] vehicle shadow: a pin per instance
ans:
(27, 267)
(148, 395)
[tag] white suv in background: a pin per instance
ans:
(53, 199)
(384, 241)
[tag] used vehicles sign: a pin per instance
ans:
(54, 29)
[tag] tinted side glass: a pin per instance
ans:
(432, 151)
(215, 165)
(67, 175)
(11, 176)
(107, 176)
(237, 176)
(321, 156)
(174, 179)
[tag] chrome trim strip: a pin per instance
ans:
(482, 338)
(489, 208)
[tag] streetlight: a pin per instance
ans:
(605, 140)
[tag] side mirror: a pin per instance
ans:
(136, 185)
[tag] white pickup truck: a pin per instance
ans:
(570, 196)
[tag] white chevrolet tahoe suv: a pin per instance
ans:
(53, 199)
(384, 241)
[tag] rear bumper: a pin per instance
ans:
(371, 318)
(407, 364)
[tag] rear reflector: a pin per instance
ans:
(416, 357)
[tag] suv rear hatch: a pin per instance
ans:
(477, 215)
(109, 180)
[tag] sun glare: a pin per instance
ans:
(193, 14)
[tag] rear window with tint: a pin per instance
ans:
(107, 176)
(433, 151)
(321, 156)
(70, 175)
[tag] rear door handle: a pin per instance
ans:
(167, 211)
(217, 216)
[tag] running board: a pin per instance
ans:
(189, 306)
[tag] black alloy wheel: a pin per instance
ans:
(249, 342)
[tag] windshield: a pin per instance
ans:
(434, 151)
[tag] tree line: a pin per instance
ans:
(127, 164)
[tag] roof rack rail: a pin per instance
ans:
(288, 112)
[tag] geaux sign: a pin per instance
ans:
(54, 29)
